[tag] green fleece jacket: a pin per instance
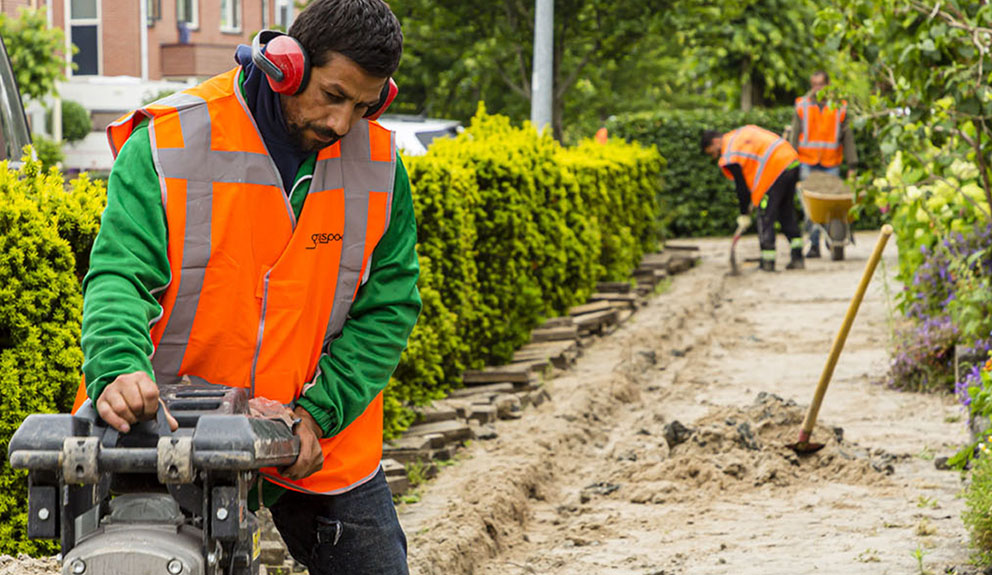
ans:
(129, 265)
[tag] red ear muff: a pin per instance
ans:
(386, 97)
(284, 62)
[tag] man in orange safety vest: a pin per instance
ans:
(821, 134)
(765, 169)
(259, 233)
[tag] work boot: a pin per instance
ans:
(767, 265)
(796, 263)
(814, 251)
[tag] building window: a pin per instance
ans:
(154, 11)
(230, 15)
(188, 13)
(84, 32)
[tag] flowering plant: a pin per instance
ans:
(948, 302)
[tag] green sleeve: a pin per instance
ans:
(357, 365)
(129, 262)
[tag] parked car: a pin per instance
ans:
(414, 134)
(14, 134)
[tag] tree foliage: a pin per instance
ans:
(929, 61)
(610, 57)
(760, 51)
(458, 53)
(35, 52)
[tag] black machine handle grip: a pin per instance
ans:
(160, 427)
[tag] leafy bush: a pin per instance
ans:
(49, 151)
(978, 515)
(76, 121)
(514, 228)
(698, 200)
(40, 314)
(947, 302)
(929, 196)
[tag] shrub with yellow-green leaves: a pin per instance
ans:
(40, 314)
(514, 229)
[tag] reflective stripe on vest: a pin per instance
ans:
(255, 296)
(762, 156)
(819, 143)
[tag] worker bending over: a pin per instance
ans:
(765, 169)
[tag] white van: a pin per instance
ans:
(414, 134)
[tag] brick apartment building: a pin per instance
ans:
(179, 38)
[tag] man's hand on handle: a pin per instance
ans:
(129, 399)
(743, 222)
(311, 458)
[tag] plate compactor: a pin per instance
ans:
(152, 502)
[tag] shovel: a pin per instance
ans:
(804, 445)
(734, 270)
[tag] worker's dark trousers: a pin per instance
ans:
(777, 206)
(353, 533)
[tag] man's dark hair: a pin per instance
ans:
(706, 138)
(826, 77)
(366, 31)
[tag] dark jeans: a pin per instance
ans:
(354, 533)
(777, 206)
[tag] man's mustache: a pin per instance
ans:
(325, 134)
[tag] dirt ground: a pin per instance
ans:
(663, 450)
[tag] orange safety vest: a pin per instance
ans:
(761, 154)
(256, 296)
(819, 141)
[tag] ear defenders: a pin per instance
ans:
(287, 68)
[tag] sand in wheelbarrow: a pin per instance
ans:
(823, 183)
(737, 449)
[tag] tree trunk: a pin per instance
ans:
(746, 88)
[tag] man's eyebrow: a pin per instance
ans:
(335, 87)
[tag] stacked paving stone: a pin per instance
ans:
(502, 393)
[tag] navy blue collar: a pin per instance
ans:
(265, 108)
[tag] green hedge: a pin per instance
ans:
(40, 314)
(698, 200)
(76, 121)
(514, 229)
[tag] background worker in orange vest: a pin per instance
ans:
(821, 134)
(765, 170)
(260, 233)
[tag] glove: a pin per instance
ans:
(743, 222)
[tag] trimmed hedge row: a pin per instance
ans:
(698, 200)
(42, 226)
(514, 229)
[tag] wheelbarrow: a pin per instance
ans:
(831, 213)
